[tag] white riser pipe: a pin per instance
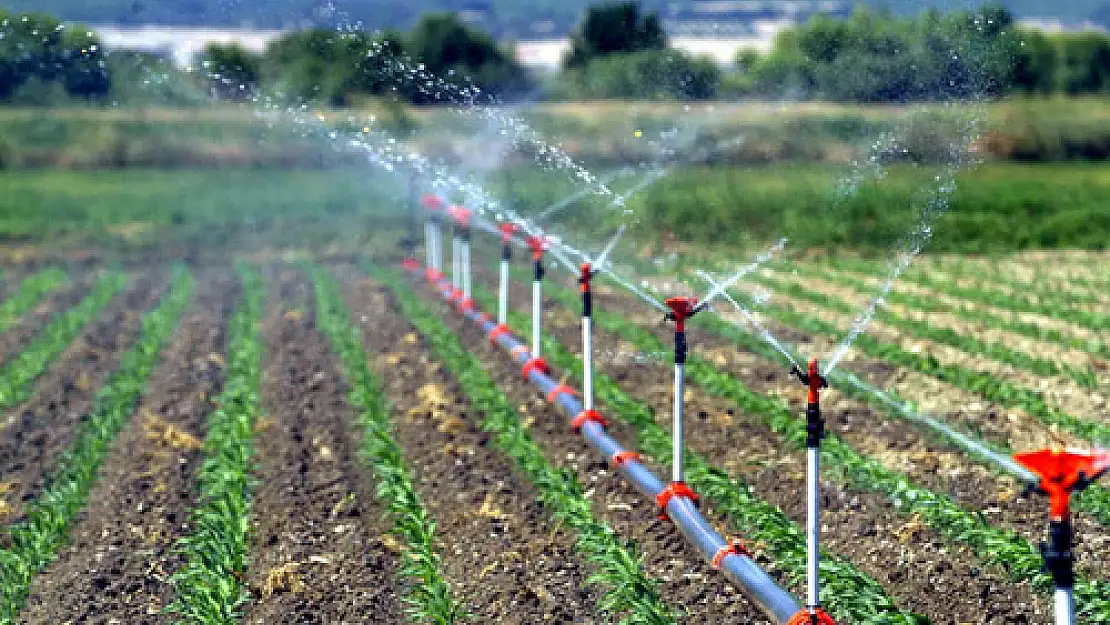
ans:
(678, 471)
(813, 527)
(503, 295)
(587, 363)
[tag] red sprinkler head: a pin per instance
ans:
(460, 214)
(682, 308)
(1064, 472)
(585, 273)
(538, 245)
(508, 229)
(813, 379)
(431, 202)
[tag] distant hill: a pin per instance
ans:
(514, 18)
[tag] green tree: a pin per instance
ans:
(647, 75)
(448, 48)
(233, 71)
(1085, 63)
(619, 28)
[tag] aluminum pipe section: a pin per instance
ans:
(736, 565)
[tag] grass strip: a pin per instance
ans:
(625, 592)
(429, 598)
(1018, 557)
(983, 294)
(34, 542)
(28, 294)
(209, 587)
(946, 336)
(18, 374)
(849, 593)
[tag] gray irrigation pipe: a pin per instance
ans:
(737, 566)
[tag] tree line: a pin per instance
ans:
(39, 54)
(617, 51)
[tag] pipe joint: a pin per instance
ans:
(674, 489)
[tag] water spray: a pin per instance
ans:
(1063, 473)
(681, 309)
(433, 236)
(815, 431)
(507, 229)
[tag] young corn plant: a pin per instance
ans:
(627, 594)
(209, 587)
(35, 541)
(429, 598)
(17, 375)
(1014, 554)
(28, 294)
(850, 594)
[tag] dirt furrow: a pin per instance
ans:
(898, 552)
(43, 426)
(118, 563)
(500, 552)
(17, 337)
(320, 552)
(687, 580)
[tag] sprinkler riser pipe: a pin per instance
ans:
(466, 276)
(428, 260)
(813, 527)
(679, 389)
(742, 571)
(587, 363)
(537, 317)
(503, 294)
(1064, 606)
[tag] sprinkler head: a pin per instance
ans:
(508, 229)
(682, 308)
(1063, 473)
(586, 273)
(431, 202)
(811, 378)
(538, 245)
(460, 214)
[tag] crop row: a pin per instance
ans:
(1017, 556)
(923, 303)
(992, 387)
(850, 594)
(624, 589)
(991, 297)
(29, 293)
(209, 586)
(429, 596)
(1095, 500)
(35, 541)
(943, 335)
(17, 375)
(1041, 285)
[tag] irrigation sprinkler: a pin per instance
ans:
(433, 236)
(538, 244)
(1063, 473)
(815, 431)
(682, 308)
(508, 229)
(463, 218)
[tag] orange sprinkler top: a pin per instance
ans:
(1062, 472)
